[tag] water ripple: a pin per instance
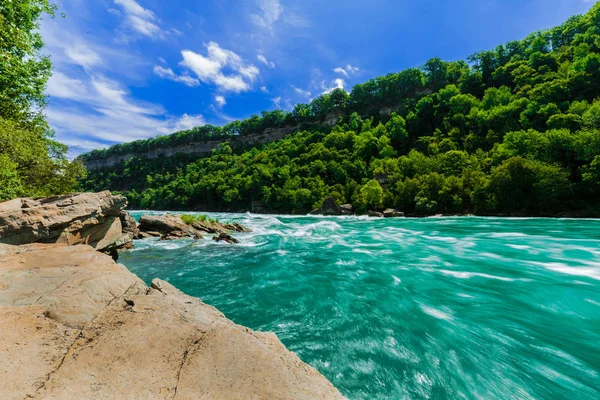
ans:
(429, 308)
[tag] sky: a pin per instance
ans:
(131, 69)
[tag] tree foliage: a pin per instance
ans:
(32, 163)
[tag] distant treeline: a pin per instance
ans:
(514, 129)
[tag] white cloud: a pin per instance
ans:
(264, 89)
(82, 55)
(342, 71)
(167, 73)
(186, 122)
(347, 71)
(250, 72)
(92, 107)
(336, 84)
(60, 85)
(220, 100)
(264, 60)
(303, 93)
(102, 111)
(271, 11)
(210, 68)
(277, 101)
(140, 19)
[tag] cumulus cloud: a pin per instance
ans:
(336, 84)
(221, 67)
(347, 71)
(220, 100)
(140, 19)
(167, 73)
(90, 106)
(264, 89)
(264, 60)
(185, 122)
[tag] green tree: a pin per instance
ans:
(372, 195)
(33, 163)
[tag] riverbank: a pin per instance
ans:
(76, 325)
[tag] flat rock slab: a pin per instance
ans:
(75, 325)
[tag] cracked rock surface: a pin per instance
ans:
(96, 219)
(76, 325)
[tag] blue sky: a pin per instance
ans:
(132, 69)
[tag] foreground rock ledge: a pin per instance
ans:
(76, 325)
(96, 219)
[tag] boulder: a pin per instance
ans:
(167, 223)
(223, 237)
(91, 218)
(392, 213)
(178, 235)
(234, 226)
(330, 207)
(346, 209)
(171, 226)
(129, 224)
(76, 325)
(375, 214)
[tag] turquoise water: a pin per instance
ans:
(437, 308)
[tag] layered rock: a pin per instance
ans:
(171, 226)
(75, 325)
(96, 219)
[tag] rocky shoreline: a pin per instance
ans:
(76, 325)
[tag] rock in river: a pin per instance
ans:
(392, 213)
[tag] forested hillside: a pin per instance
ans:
(511, 130)
(32, 163)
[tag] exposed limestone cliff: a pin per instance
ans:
(198, 149)
(75, 325)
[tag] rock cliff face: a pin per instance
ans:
(96, 219)
(199, 148)
(75, 325)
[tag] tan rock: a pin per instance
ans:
(75, 325)
(168, 223)
(91, 218)
(392, 213)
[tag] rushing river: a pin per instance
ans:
(437, 308)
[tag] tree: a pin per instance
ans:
(372, 195)
(23, 71)
(33, 163)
